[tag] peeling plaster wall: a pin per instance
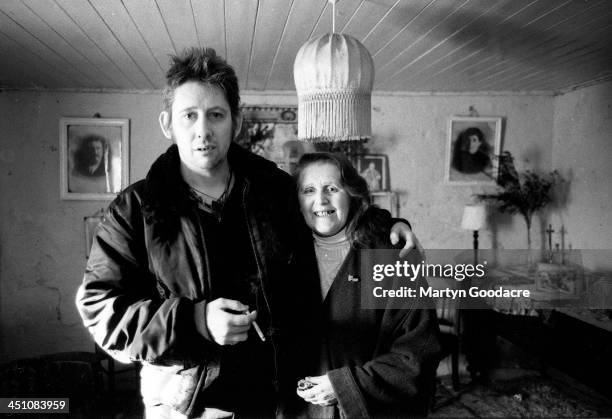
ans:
(42, 253)
(42, 250)
(582, 152)
(412, 130)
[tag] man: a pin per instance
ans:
(90, 171)
(88, 159)
(204, 271)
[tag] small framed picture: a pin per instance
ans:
(387, 200)
(271, 132)
(94, 158)
(374, 168)
(558, 281)
(472, 146)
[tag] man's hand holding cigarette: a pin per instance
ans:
(228, 321)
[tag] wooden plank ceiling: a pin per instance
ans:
(417, 45)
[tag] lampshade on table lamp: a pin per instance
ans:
(474, 218)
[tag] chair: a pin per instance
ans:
(73, 375)
(448, 319)
(110, 369)
(450, 327)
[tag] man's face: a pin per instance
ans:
(96, 152)
(200, 125)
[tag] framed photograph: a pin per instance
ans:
(271, 132)
(374, 168)
(94, 158)
(558, 281)
(387, 200)
(472, 145)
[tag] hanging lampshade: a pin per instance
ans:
(334, 74)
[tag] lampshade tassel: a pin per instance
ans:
(324, 116)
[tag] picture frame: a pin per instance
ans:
(374, 168)
(271, 132)
(558, 281)
(94, 158)
(387, 200)
(472, 147)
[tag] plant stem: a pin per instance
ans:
(528, 221)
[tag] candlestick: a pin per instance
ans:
(550, 231)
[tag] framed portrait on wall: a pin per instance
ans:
(94, 158)
(387, 200)
(374, 169)
(271, 132)
(471, 149)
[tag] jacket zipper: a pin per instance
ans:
(260, 278)
(207, 283)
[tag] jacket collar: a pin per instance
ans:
(167, 196)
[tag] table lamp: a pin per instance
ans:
(474, 218)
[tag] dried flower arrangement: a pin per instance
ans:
(256, 137)
(523, 193)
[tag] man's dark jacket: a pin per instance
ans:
(148, 269)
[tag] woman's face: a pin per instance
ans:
(474, 143)
(323, 200)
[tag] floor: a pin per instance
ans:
(511, 391)
(517, 387)
(520, 393)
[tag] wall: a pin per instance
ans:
(41, 237)
(412, 130)
(582, 149)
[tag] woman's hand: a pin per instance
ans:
(402, 231)
(322, 393)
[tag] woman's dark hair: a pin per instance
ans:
(365, 223)
(205, 66)
(466, 162)
(463, 140)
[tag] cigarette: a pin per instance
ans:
(257, 328)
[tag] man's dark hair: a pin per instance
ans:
(205, 66)
(364, 225)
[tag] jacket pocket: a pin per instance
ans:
(172, 386)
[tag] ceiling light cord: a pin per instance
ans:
(333, 3)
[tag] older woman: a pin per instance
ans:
(374, 362)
